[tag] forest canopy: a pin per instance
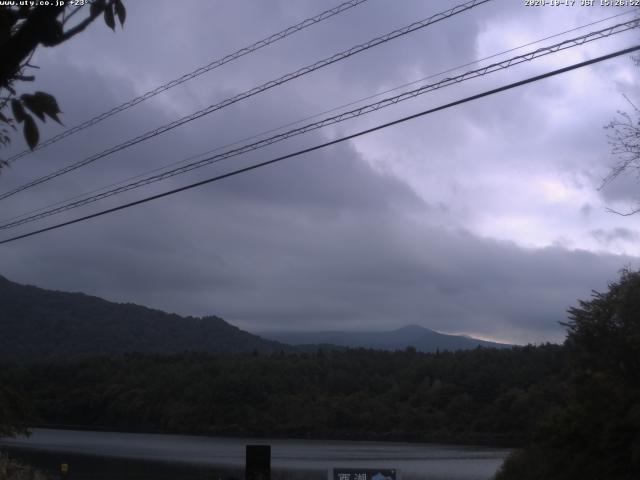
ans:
(595, 433)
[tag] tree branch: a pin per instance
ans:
(622, 214)
(30, 34)
(77, 29)
(68, 17)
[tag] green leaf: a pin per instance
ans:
(31, 134)
(41, 104)
(121, 12)
(31, 102)
(109, 18)
(49, 105)
(18, 111)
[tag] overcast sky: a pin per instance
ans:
(484, 219)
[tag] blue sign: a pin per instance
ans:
(364, 474)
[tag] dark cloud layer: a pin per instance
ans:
(376, 233)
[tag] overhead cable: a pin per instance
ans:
(372, 107)
(329, 143)
(195, 73)
(310, 117)
(254, 91)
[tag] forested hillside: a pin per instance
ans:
(478, 396)
(39, 324)
(575, 405)
(43, 324)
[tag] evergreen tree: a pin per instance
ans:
(596, 433)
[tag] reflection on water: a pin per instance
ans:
(103, 455)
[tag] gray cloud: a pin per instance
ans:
(266, 264)
(606, 237)
(376, 233)
(624, 190)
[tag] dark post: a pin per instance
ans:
(258, 462)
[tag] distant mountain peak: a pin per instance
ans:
(421, 338)
(413, 328)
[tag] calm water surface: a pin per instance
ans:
(131, 456)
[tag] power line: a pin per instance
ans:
(570, 43)
(331, 142)
(254, 91)
(310, 117)
(195, 73)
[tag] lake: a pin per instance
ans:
(132, 456)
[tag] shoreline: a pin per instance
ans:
(479, 440)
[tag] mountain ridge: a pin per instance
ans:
(42, 324)
(421, 338)
(39, 324)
